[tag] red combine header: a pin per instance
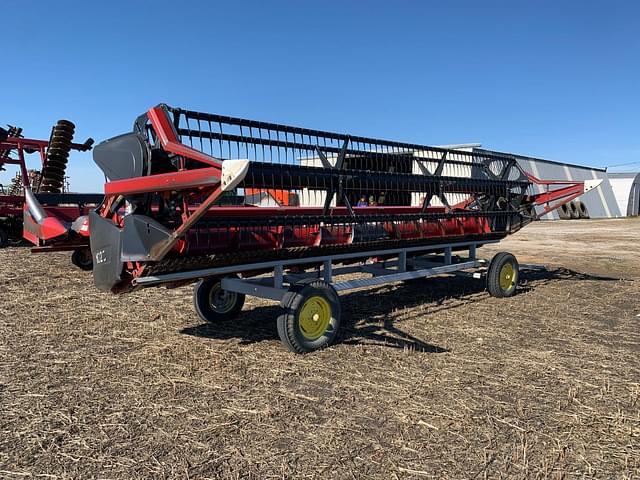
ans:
(177, 210)
(38, 205)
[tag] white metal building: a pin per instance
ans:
(626, 188)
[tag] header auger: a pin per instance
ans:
(196, 196)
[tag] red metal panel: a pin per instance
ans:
(198, 213)
(201, 177)
(13, 143)
(169, 140)
(559, 196)
(559, 193)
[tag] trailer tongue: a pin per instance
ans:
(194, 196)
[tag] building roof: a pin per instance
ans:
(623, 174)
(535, 159)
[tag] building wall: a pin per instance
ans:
(314, 198)
(626, 188)
(600, 202)
(621, 188)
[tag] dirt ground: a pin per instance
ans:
(435, 379)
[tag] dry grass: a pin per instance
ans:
(429, 380)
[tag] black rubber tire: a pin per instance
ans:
(4, 236)
(289, 321)
(202, 302)
(563, 212)
(583, 211)
(493, 275)
(530, 211)
(573, 209)
(82, 259)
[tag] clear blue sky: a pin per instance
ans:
(555, 79)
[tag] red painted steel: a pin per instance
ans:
(559, 196)
(55, 226)
(201, 177)
(169, 139)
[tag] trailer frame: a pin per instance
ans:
(407, 263)
(282, 280)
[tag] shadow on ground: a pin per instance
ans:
(367, 315)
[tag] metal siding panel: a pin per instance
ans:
(606, 193)
(593, 200)
(601, 201)
(621, 189)
(634, 197)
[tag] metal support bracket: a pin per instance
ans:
(339, 166)
(436, 173)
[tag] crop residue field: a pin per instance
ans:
(428, 380)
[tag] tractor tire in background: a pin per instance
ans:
(573, 209)
(583, 211)
(564, 212)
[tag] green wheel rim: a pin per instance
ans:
(507, 277)
(314, 317)
(220, 300)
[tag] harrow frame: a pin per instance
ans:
(44, 218)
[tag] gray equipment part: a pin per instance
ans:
(34, 207)
(124, 156)
(275, 287)
(76, 225)
(139, 235)
(106, 245)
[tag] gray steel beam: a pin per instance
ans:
(221, 271)
(248, 287)
(398, 277)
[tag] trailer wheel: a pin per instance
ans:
(502, 276)
(213, 304)
(311, 318)
(4, 237)
(82, 259)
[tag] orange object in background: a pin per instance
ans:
(283, 197)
